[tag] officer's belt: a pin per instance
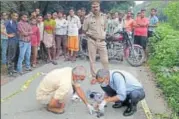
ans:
(95, 39)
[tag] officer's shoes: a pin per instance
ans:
(118, 105)
(130, 111)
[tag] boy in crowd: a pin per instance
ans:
(4, 41)
(61, 34)
(25, 32)
(49, 37)
(141, 30)
(42, 50)
(12, 48)
(153, 22)
(35, 41)
(74, 25)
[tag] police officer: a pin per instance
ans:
(94, 27)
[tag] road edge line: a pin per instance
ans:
(146, 109)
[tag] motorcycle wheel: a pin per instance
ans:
(135, 56)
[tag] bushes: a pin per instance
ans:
(164, 62)
(172, 11)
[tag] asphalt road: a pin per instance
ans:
(24, 105)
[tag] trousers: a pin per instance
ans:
(12, 54)
(93, 47)
(132, 98)
(34, 54)
(25, 52)
(4, 51)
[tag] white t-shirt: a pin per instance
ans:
(74, 25)
(61, 26)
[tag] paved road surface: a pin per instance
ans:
(24, 105)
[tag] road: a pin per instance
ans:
(24, 105)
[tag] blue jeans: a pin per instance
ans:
(24, 51)
(4, 51)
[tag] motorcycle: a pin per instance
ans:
(120, 46)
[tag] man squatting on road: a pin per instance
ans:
(120, 87)
(57, 87)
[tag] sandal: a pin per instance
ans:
(54, 63)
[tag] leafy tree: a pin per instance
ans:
(172, 12)
(65, 5)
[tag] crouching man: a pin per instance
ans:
(120, 87)
(56, 88)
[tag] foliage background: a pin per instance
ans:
(64, 5)
(164, 54)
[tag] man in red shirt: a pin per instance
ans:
(140, 31)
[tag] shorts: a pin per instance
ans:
(61, 40)
(49, 40)
(141, 40)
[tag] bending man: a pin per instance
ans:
(120, 87)
(56, 88)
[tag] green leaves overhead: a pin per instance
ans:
(65, 5)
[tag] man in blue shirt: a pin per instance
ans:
(120, 87)
(153, 22)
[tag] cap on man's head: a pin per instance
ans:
(79, 71)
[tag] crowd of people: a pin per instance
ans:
(25, 36)
(28, 36)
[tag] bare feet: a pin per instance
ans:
(56, 110)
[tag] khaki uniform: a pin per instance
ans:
(95, 31)
(57, 84)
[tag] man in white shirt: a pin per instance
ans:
(57, 87)
(61, 34)
(74, 25)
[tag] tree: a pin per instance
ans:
(65, 5)
(172, 12)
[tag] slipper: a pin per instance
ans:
(54, 63)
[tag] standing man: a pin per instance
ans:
(4, 42)
(141, 30)
(122, 88)
(37, 11)
(74, 25)
(153, 22)
(113, 25)
(25, 32)
(61, 34)
(54, 15)
(129, 22)
(12, 48)
(42, 50)
(116, 16)
(94, 27)
(79, 12)
(49, 38)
